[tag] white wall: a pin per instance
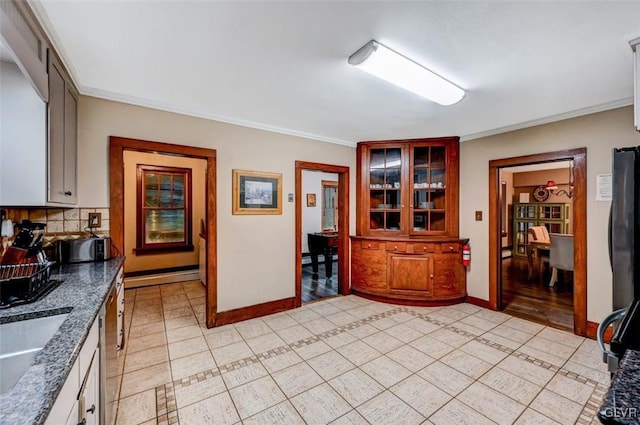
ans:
(23, 140)
(312, 216)
(256, 253)
(599, 133)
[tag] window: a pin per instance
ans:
(164, 209)
(329, 206)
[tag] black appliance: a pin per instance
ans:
(624, 255)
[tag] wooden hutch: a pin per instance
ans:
(407, 249)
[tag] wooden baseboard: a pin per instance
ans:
(253, 311)
(479, 302)
(400, 301)
(592, 331)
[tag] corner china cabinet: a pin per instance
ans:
(407, 249)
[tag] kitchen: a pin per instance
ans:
(100, 118)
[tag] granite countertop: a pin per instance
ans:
(82, 292)
(621, 404)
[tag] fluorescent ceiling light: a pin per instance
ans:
(379, 60)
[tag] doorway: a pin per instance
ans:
(117, 147)
(528, 209)
(578, 220)
(338, 237)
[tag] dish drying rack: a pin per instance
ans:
(24, 283)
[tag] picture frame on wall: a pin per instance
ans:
(311, 199)
(256, 192)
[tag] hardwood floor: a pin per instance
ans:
(314, 289)
(533, 299)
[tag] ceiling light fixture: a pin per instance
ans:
(553, 187)
(389, 65)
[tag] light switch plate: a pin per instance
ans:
(290, 197)
(478, 215)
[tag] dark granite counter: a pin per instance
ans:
(621, 404)
(82, 292)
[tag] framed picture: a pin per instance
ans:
(257, 193)
(311, 199)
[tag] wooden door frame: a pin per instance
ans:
(579, 223)
(117, 146)
(343, 224)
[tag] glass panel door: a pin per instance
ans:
(385, 165)
(429, 212)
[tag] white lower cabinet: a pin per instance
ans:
(81, 391)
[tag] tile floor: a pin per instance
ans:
(348, 360)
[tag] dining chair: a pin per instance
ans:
(539, 235)
(560, 255)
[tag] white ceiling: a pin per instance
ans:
(283, 65)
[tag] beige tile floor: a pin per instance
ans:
(348, 360)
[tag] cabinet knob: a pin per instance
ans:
(395, 247)
(431, 276)
(368, 245)
(424, 248)
(120, 313)
(450, 248)
(68, 193)
(92, 410)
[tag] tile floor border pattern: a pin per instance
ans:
(590, 409)
(167, 411)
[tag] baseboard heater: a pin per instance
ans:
(155, 278)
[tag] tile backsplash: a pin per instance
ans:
(62, 223)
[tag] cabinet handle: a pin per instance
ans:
(68, 193)
(92, 410)
(84, 422)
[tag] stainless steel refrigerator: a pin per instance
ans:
(624, 255)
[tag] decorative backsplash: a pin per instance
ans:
(62, 223)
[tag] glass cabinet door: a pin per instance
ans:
(385, 201)
(429, 208)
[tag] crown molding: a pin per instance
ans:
(146, 103)
(551, 118)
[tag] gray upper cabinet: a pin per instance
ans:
(21, 32)
(38, 136)
(62, 144)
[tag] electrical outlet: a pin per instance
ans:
(95, 220)
(478, 215)
(290, 197)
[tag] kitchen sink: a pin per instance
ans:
(20, 343)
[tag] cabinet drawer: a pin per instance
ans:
(449, 248)
(396, 246)
(424, 247)
(89, 346)
(370, 245)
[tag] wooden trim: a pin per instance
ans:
(343, 224)
(400, 301)
(479, 302)
(117, 146)
(579, 220)
(592, 331)
(253, 311)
